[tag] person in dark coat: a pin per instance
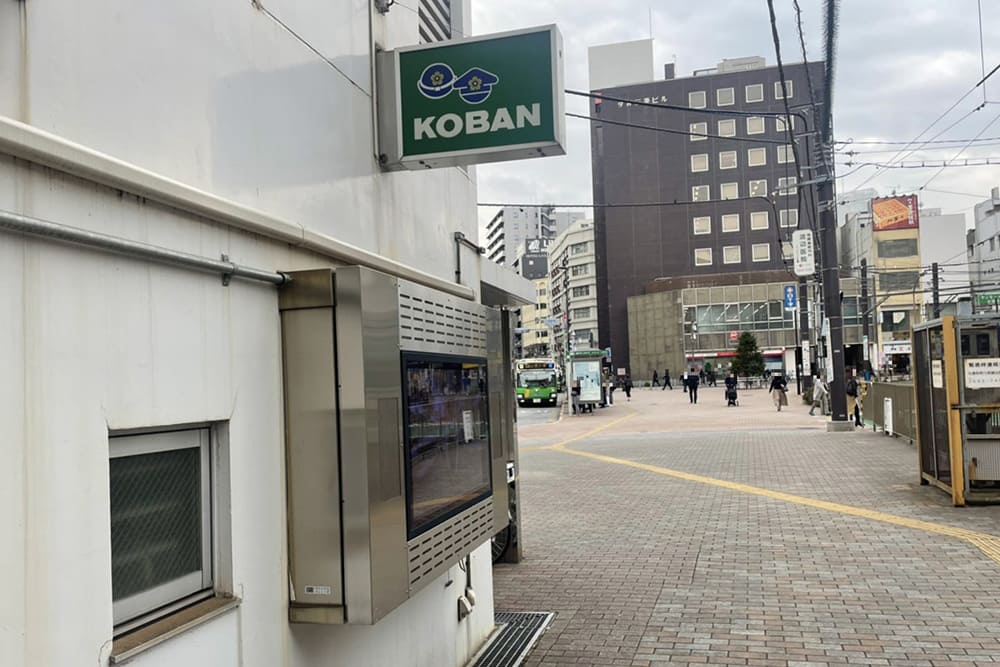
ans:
(731, 382)
(666, 380)
(627, 382)
(778, 388)
(692, 384)
(656, 379)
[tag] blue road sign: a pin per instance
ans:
(791, 297)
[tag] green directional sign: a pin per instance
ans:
(987, 298)
(483, 99)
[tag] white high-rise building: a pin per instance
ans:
(508, 230)
(573, 288)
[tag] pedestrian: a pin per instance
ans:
(853, 391)
(611, 391)
(574, 393)
(666, 380)
(778, 388)
(701, 374)
(820, 391)
(684, 381)
(693, 381)
(628, 387)
(731, 395)
(656, 379)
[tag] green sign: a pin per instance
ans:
(987, 298)
(484, 99)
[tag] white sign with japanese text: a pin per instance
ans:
(982, 373)
(805, 255)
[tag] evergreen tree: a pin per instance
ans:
(749, 361)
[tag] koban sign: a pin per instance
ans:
(483, 99)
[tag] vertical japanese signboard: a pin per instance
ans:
(805, 254)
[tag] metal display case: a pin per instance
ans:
(395, 442)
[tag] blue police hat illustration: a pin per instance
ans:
(476, 85)
(436, 81)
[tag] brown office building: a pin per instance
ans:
(722, 230)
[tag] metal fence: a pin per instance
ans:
(902, 420)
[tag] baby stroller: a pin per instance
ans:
(731, 398)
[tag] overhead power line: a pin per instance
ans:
(888, 142)
(928, 164)
(638, 126)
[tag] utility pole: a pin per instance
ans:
(935, 290)
(864, 309)
(803, 343)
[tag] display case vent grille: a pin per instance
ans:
(445, 544)
(428, 321)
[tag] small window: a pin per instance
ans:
(780, 94)
(732, 254)
(698, 129)
(755, 125)
(755, 92)
(580, 270)
(702, 225)
(731, 222)
(583, 290)
(757, 157)
(581, 313)
(785, 154)
(761, 252)
(759, 220)
(699, 193)
(725, 97)
(780, 125)
(758, 188)
(696, 100)
(786, 186)
(729, 191)
(727, 128)
(727, 160)
(703, 257)
(699, 162)
(161, 521)
(789, 217)
(579, 248)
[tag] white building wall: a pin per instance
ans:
(581, 231)
(943, 240)
(222, 97)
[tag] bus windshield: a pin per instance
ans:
(539, 378)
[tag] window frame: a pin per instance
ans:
(694, 170)
(780, 125)
(767, 220)
(694, 225)
(164, 599)
(732, 97)
(784, 214)
(704, 97)
(763, 124)
(703, 250)
(746, 92)
(760, 151)
(708, 192)
(726, 154)
(788, 152)
(739, 254)
(753, 252)
(788, 89)
(697, 129)
(730, 216)
(730, 122)
(783, 189)
(722, 191)
(758, 181)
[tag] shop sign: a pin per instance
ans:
(804, 252)
(897, 347)
(982, 373)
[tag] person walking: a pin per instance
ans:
(656, 379)
(684, 381)
(611, 391)
(692, 387)
(574, 393)
(853, 391)
(820, 391)
(666, 380)
(778, 388)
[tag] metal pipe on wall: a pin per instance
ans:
(23, 224)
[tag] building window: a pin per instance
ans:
(697, 129)
(761, 252)
(758, 188)
(583, 290)
(727, 128)
(755, 125)
(788, 217)
(729, 191)
(757, 157)
(725, 97)
(703, 257)
(731, 222)
(696, 100)
(786, 186)
(780, 94)
(732, 254)
(699, 162)
(699, 193)
(759, 220)
(785, 154)
(581, 313)
(755, 92)
(161, 521)
(727, 160)
(786, 250)
(780, 125)
(897, 248)
(898, 281)
(541, 291)
(579, 248)
(703, 225)
(580, 270)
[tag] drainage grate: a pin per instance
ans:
(519, 630)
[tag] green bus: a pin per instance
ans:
(537, 381)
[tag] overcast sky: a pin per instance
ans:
(900, 64)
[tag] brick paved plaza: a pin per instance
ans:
(661, 532)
